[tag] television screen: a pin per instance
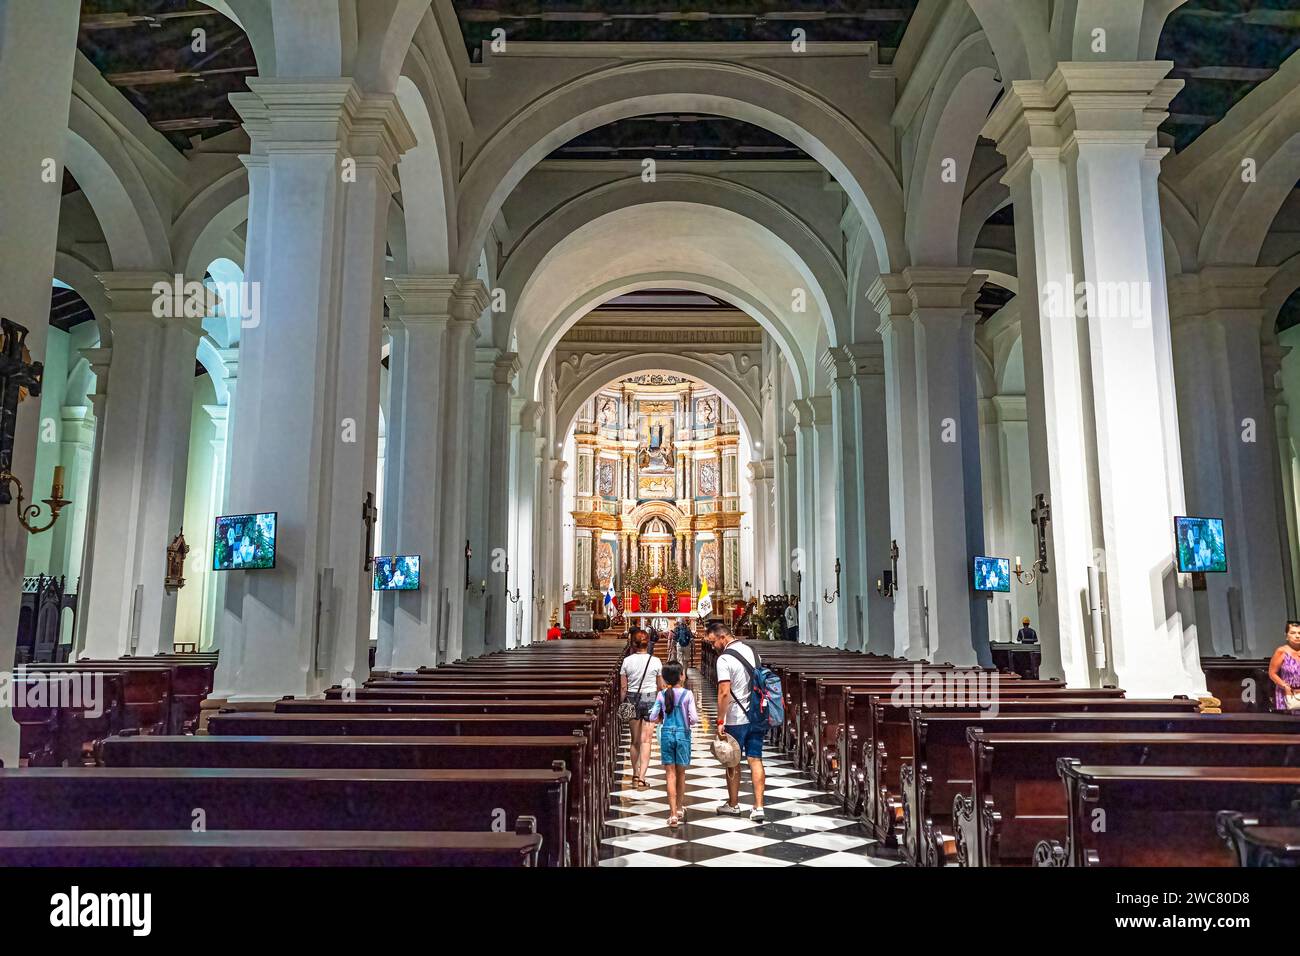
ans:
(1200, 545)
(992, 574)
(244, 542)
(400, 572)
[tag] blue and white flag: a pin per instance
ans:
(609, 594)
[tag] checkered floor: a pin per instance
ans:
(803, 827)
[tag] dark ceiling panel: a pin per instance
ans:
(1223, 49)
(68, 310)
(679, 136)
(658, 21)
(145, 49)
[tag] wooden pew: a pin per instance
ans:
(394, 753)
(890, 736)
(1015, 799)
(1240, 684)
(895, 730)
(281, 848)
(1162, 816)
(1256, 845)
(106, 798)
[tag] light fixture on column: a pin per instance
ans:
(887, 583)
(832, 598)
(1039, 516)
(512, 598)
(469, 553)
(19, 378)
(532, 590)
(369, 515)
(27, 514)
(176, 552)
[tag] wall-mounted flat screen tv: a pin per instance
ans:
(399, 572)
(244, 542)
(1200, 545)
(992, 574)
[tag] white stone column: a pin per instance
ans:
(37, 40)
(766, 576)
(1228, 452)
(937, 472)
(139, 487)
(321, 179)
(1016, 494)
(871, 425)
(471, 298)
(1288, 475)
(428, 316)
(220, 416)
(489, 502)
(829, 528)
(849, 525)
(787, 510)
(803, 572)
(76, 454)
(1103, 435)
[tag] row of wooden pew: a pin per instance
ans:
(968, 771)
(153, 695)
(504, 760)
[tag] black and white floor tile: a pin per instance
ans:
(804, 826)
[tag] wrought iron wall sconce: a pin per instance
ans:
(887, 583)
(469, 553)
(369, 515)
(1039, 516)
(832, 598)
(176, 552)
(512, 598)
(27, 514)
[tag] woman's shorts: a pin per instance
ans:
(643, 704)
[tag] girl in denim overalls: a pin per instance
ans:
(674, 711)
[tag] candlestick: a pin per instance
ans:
(57, 483)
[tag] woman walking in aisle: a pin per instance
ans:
(638, 682)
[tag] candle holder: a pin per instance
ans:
(887, 583)
(512, 598)
(832, 598)
(27, 514)
(1039, 516)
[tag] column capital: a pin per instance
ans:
(839, 363)
(1081, 103)
(823, 409)
(423, 298)
(1010, 408)
(761, 469)
(902, 295)
(802, 410)
(146, 297)
(324, 115)
(869, 357)
(1219, 292)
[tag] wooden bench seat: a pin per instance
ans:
(1162, 816)
(129, 798)
(395, 753)
(1257, 845)
(281, 848)
(890, 771)
(1015, 799)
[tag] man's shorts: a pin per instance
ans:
(749, 737)
(675, 746)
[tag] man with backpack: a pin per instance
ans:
(735, 668)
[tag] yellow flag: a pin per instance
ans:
(704, 607)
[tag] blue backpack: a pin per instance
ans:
(766, 702)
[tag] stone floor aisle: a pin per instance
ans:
(804, 825)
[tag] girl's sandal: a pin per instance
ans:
(639, 783)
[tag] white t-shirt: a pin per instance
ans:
(634, 665)
(732, 670)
